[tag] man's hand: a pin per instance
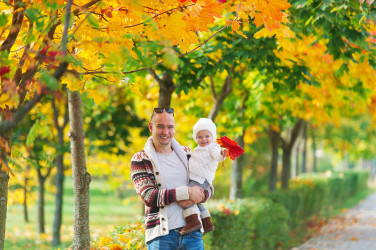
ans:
(185, 203)
(196, 194)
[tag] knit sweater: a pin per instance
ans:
(204, 162)
(149, 185)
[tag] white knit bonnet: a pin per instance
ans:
(205, 124)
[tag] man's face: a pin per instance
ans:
(162, 128)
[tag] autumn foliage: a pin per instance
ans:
(233, 148)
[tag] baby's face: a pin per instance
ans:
(204, 138)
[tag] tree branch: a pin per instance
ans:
(20, 114)
(66, 114)
(180, 7)
(180, 55)
(155, 76)
(225, 91)
(55, 114)
(295, 132)
(76, 12)
(48, 172)
(18, 15)
(213, 89)
(27, 48)
(284, 144)
(80, 24)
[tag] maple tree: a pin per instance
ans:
(93, 58)
(343, 31)
(42, 60)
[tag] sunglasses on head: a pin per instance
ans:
(160, 110)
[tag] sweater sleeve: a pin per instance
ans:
(146, 186)
(215, 152)
(208, 193)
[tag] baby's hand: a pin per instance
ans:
(224, 152)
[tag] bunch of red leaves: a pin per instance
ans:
(233, 148)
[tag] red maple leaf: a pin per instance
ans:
(233, 148)
(4, 70)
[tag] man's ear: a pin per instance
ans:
(150, 127)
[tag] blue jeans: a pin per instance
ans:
(175, 241)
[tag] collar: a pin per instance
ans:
(152, 154)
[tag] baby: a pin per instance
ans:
(202, 166)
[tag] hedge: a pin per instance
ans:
(261, 223)
(248, 224)
(313, 194)
(268, 223)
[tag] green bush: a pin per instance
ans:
(261, 223)
(343, 185)
(304, 199)
(248, 224)
(129, 236)
(312, 194)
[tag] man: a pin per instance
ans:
(159, 173)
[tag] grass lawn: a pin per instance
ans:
(106, 212)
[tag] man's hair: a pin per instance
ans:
(153, 115)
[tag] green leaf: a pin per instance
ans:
(31, 14)
(301, 4)
(327, 3)
(93, 21)
(52, 4)
(344, 68)
(3, 19)
(308, 21)
(45, 132)
(49, 80)
(33, 133)
(170, 59)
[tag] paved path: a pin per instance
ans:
(355, 230)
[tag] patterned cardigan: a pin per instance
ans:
(149, 185)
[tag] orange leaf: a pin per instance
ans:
(4, 167)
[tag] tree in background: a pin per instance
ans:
(43, 59)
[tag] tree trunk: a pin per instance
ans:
(26, 183)
(166, 88)
(4, 180)
(274, 138)
(304, 153)
(59, 183)
(314, 150)
(41, 181)
(236, 187)
(286, 168)
(287, 146)
(59, 178)
(219, 99)
(81, 179)
(297, 159)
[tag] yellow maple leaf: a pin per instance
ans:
(235, 28)
(96, 96)
(8, 101)
(135, 89)
(105, 240)
(115, 247)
